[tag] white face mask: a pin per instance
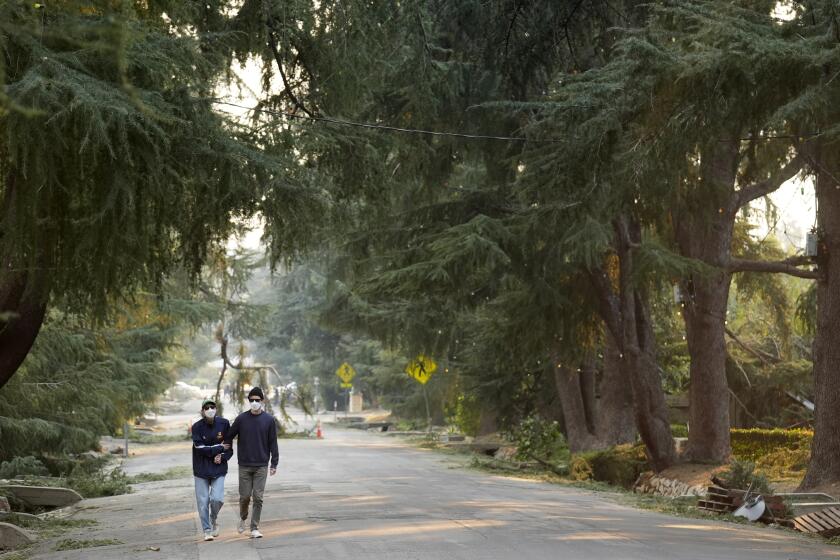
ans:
(210, 413)
(255, 406)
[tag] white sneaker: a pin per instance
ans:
(241, 527)
(215, 529)
(255, 534)
(208, 536)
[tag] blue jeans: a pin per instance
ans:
(209, 496)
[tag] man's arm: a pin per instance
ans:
(231, 433)
(228, 452)
(272, 445)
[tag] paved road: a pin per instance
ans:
(359, 495)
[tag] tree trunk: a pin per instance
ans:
(648, 397)
(588, 380)
(704, 232)
(488, 421)
(615, 423)
(22, 312)
(569, 391)
(626, 316)
(824, 467)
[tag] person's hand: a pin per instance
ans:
(272, 471)
(226, 446)
(217, 459)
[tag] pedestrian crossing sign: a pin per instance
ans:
(421, 368)
(346, 372)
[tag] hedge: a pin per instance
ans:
(754, 444)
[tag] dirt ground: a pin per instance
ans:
(693, 474)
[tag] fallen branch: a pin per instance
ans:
(763, 356)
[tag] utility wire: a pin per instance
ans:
(391, 128)
(388, 128)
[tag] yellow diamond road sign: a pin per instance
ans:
(346, 372)
(421, 368)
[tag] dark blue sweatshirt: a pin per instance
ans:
(257, 439)
(207, 443)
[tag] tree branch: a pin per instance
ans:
(787, 266)
(763, 356)
(776, 179)
(275, 50)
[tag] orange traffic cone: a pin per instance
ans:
(318, 433)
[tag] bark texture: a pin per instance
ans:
(824, 467)
(615, 421)
(596, 414)
(706, 235)
(626, 315)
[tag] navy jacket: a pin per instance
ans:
(257, 439)
(207, 443)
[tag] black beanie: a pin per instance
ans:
(256, 392)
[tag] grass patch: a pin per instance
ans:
(49, 528)
(168, 474)
(19, 554)
(74, 544)
(157, 438)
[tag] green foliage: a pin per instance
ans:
(742, 475)
(679, 430)
(619, 466)
(785, 463)
(753, 444)
(467, 415)
(80, 382)
(539, 440)
(148, 174)
(22, 466)
(98, 483)
(806, 309)
(158, 438)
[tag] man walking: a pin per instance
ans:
(257, 446)
(209, 459)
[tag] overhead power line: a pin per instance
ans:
(342, 122)
(388, 128)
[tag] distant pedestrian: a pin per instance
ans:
(257, 448)
(210, 459)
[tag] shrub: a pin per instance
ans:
(63, 465)
(784, 463)
(467, 415)
(98, 483)
(753, 444)
(679, 430)
(22, 466)
(742, 475)
(539, 440)
(619, 466)
(580, 468)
